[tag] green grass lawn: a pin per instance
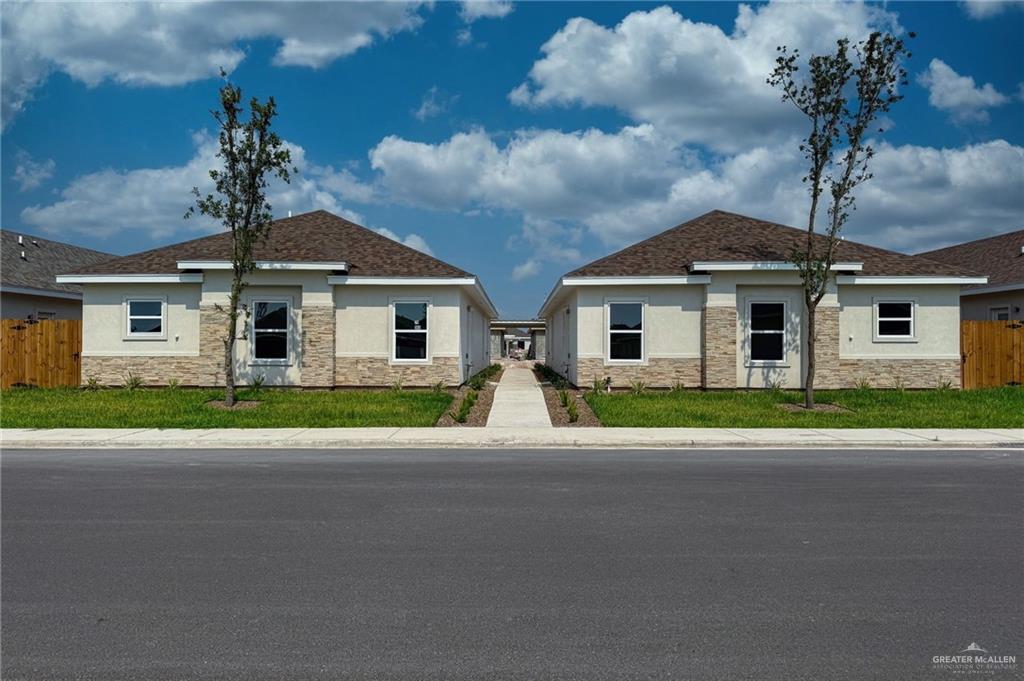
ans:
(991, 408)
(187, 408)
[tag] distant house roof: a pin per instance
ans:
(1000, 257)
(318, 236)
(719, 236)
(43, 261)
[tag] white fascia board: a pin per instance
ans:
(41, 292)
(485, 299)
(1003, 288)
(187, 278)
(345, 280)
(637, 281)
(910, 280)
(264, 265)
(770, 265)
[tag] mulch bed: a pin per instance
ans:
(560, 417)
(238, 406)
(822, 408)
(477, 417)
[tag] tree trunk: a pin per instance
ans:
(229, 353)
(809, 384)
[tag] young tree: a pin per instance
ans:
(843, 98)
(250, 152)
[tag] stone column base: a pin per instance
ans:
(719, 346)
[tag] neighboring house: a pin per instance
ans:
(331, 304)
(526, 335)
(28, 289)
(714, 303)
(1002, 259)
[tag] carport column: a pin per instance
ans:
(719, 334)
(318, 346)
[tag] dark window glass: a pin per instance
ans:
(626, 316)
(625, 346)
(410, 316)
(145, 325)
(271, 345)
(270, 316)
(144, 308)
(766, 347)
(898, 310)
(767, 316)
(897, 327)
(410, 345)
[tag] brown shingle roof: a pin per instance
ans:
(1000, 257)
(722, 236)
(310, 237)
(44, 260)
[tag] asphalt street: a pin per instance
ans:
(750, 564)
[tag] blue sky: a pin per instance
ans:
(516, 141)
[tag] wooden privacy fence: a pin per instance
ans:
(45, 354)
(992, 353)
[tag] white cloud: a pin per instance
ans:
(175, 43)
(30, 174)
(152, 200)
(691, 79)
(411, 240)
(949, 91)
(986, 9)
(471, 10)
(617, 188)
(525, 270)
(434, 103)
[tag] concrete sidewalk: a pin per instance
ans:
(476, 438)
(518, 401)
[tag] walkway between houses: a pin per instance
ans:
(518, 401)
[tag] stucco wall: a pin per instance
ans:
(475, 336)
(561, 336)
(977, 307)
(936, 323)
(786, 374)
(21, 306)
(105, 321)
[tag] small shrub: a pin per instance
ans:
(92, 383)
(132, 382)
(774, 385)
(678, 387)
(173, 384)
(438, 387)
(465, 406)
(637, 387)
(898, 383)
(863, 383)
(397, 385)
(563, 397)
(573, 411)
(257, 382)
(945, 385)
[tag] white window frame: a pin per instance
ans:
(642, 302)
(127, 310)
(394, 332)
(257, 361)
(876, 319)
(995, 310)
(784, 362)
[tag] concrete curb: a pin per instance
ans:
(523, 438)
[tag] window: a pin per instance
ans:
(270, 331)
(767, 332)
(996, 314)
(625, 331)
(411, 331)
(895, 319)
(145, 318)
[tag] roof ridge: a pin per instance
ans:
(33, 235)
(974, 242)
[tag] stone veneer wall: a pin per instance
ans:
(892, 373)
(827, 373)
(659, 372)
(204, 369)
(719, 345)
(318, 346)
(376, 371)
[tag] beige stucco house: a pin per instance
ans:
(714, 303)
(330, 304)
(1001, 258)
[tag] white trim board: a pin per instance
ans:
(472, 282)
(1001, 288)
(42, 293)
(772, 265)
(265, 265)
(909, 280)
(190, 278)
